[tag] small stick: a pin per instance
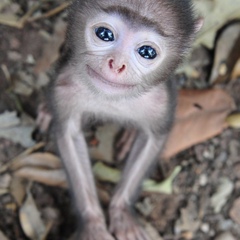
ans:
(51, 13)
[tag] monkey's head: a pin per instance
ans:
(124, 47)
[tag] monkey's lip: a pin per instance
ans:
(96, 76)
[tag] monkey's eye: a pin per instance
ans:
(147, 52)
(104, 34)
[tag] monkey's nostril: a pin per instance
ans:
(121, 69)
(115, 67)
(110, 63)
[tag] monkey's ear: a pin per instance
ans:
(198, 24)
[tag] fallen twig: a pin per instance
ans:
(51, 13)
(13, 21)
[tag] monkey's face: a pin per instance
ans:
(120, 58)
(128, 46)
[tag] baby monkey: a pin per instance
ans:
(117, 66)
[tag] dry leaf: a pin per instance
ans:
(23, 84)
(40, 167)
(51, 49)
(215, 13)
(30, 219)
(186, 223)
(3, 191)
(2, 236)
(235, 211)
(227, 52)
(234, 120)
(10, 20)
(15, 129)
(48, 177)
(4, 4)
(104, 150)
(201, 114)
(151, 231)
(5, 181)
(18, 189)
(44, 160)
(224, 190)
(236, 70)
(8, 119)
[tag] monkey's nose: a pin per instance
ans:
(117, 68)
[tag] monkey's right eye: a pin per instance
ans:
(147, 52)
(104, 34)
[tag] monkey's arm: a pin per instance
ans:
(74, 153)
(73, 149)
(143, 155)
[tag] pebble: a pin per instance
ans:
(30, 59)
(234, 145)
(14, 43)
(225, 236)
(203, 180)
(221, 159)
(209, 153)
(215, 141)
(14, 56)
(205, 227)
(225, 224)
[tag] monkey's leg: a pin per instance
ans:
(143, 155)
(73, 149)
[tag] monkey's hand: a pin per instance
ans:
(44, 117)
(95, 231)
(123, 225)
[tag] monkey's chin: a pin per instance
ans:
(107, 86)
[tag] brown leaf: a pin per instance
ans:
(2, 236)
(235, 211)
(5, 181)
(201, 114)
(51, 49)
(226, 53)
(18, 189)
(48, 177)
(236, 70)
(44, 160)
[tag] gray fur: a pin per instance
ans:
(148, 104)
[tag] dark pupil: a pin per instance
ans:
(104, 34)
(147, 52)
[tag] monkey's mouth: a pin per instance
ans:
(100, 81)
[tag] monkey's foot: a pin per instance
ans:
(95, 231)
(124, 227)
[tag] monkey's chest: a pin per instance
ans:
(142, 110)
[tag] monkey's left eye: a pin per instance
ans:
(147, 52)
(104, 34)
